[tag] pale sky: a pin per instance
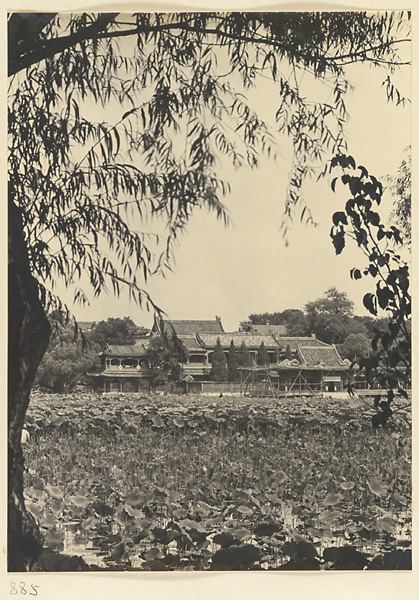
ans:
(246, 268)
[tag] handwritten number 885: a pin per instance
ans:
(22, 589)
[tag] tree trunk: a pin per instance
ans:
(29, 333)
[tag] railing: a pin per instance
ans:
(125, 368)
(196, 369)
(374, 386)
(284, 388)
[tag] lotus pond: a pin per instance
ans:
(205, 483)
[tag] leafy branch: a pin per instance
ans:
(390, 365)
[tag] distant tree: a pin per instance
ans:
(219, 364)
(333, 302)
(355, 347)
(401, 188)
(371, 325)
(243, 355)
(330, 317)
(68, 357)
(288, 353)
(64, 366)
(295, 321)
(163, 357)
(233, 363)
(266, 318)
(263, 356)
(115, 331)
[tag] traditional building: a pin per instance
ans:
(188, 334)
(313, 364)
(315, 368)
(125, 369)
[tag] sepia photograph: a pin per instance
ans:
(209, 299)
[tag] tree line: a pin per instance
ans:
(69, 358)
(330, 318)
(225, 366)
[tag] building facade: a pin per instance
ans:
(295, 363)
(124, 369)
(315, 368)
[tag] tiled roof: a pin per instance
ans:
(294, 342)
(252, 340)
(286, 364)
(320, 356)
(190, 343)
(274, 329)
(126, 351)
(192, 327)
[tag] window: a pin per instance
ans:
(197, 358)
(130, 362)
